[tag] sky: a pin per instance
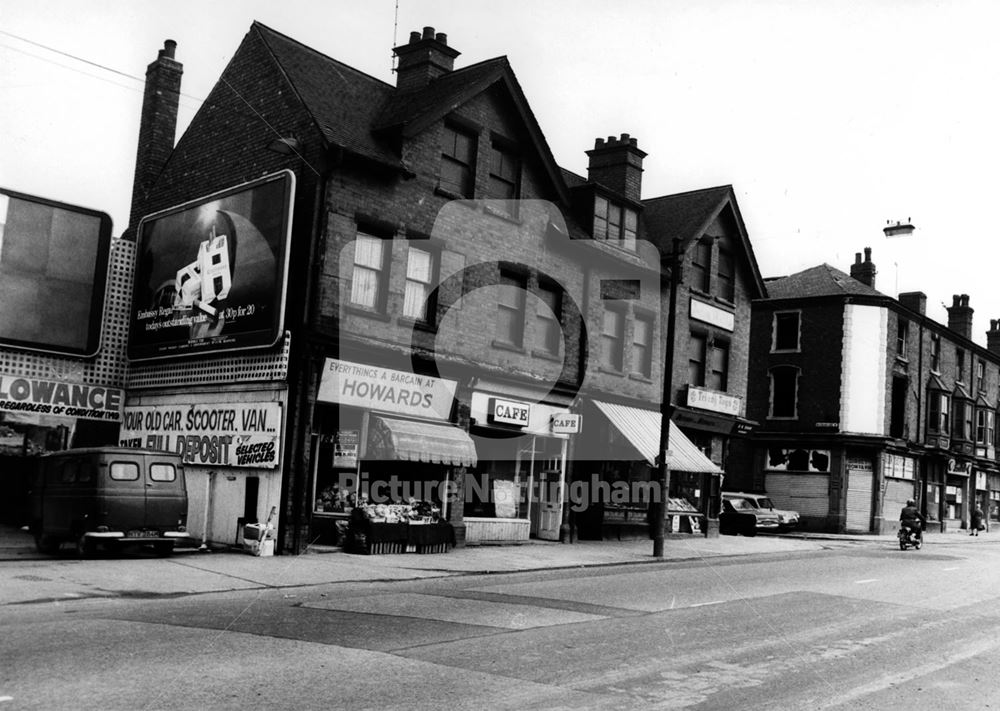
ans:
(828, 118)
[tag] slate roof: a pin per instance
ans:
(444, 94)
(684, 215)
(821, 280)
(687, 216)
(343, 101)
(363, 114)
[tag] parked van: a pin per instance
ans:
(110, 496)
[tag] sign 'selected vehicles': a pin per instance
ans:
(111, 496)
(768, 517)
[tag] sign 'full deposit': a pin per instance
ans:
(244, 434)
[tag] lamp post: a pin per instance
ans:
(666, 402)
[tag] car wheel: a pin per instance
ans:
(45, 544)
(85, 547)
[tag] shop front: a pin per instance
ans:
(515, 492)
(388, 464)
(899, 485)
(957, 492)
(41, 415)
(616, 473)
(231, 446)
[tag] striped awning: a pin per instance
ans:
(412, 441)
(642, 429)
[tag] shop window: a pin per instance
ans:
(548, 330)
(718, 370)
(935, 353)
(510, 309)
(458, 158)
(994, 513)
(642, 346)
(938, 412)
(784, 392)
(985, 426)
(786, 331)
(697, 350)
(505, 175)
(613, 339)
(701, 264)
(499, 485)
(902, 335)
(368, 278)
(418, 290)
(726, 276)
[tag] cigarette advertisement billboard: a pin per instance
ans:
(210, 274)
(53, 271)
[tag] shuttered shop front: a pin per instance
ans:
(859, 496)
(809, 494)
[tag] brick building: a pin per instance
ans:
(865, 402)
(455, 301)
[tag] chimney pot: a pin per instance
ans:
(857, 257)
(168, 48)
(868, 254)
(624, 138)
(599, 143)
(441, 37)
(414, 37)
(428, 33)
(956, 300)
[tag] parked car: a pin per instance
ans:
(787, 519)
(111, 496)
(740, 517)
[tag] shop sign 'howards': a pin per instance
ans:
(244, 434)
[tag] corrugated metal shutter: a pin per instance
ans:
(859, 500)
(809, 494)
(897, 491)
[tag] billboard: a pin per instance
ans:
(210, 274)
(53, 270)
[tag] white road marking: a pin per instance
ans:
(862, 582)
(6, 698)
(703, 604)
(957, 567)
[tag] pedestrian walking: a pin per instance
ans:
(977, 521)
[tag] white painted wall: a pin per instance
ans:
(863, 382)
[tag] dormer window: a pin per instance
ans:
(615, 223)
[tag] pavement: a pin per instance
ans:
(27, 576)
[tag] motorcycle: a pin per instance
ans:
(910, 537)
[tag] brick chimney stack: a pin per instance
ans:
(423, 59)
(617, 164)
(993, 337)
(960, 315)
(915, 301)
(864, 271)
(157, 126)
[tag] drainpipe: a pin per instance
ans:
(209, 486)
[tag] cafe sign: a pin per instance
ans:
(566, 423)
(387, 390)
(509, 412)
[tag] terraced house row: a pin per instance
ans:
(338, 294)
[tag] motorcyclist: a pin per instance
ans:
(911, 518)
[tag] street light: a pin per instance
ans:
(666, 406)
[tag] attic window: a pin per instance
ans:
(458, 161)
(614, 223)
